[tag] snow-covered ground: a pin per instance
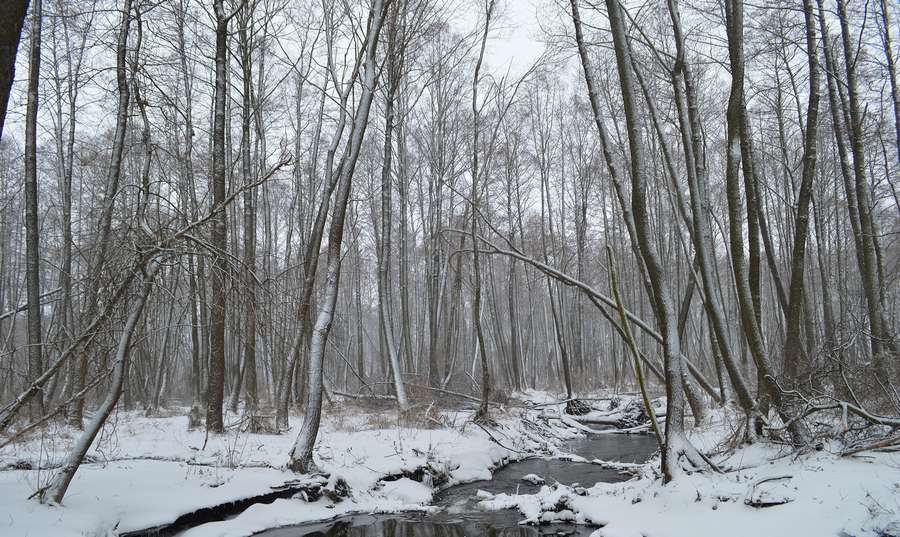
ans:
(814, 494)
(146, 472)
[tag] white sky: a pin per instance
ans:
(516, 38)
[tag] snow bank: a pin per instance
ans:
(407, 491)
(146, 472)
(770, 492)
(126, 496)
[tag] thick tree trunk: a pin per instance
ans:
(734, 21)
(32, 230)
(249, 367)
(701, 233)
(215, 384)
(664, 309)
(793, 352)
(870, 269)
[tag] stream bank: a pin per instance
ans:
(456, 511)
(149, 472)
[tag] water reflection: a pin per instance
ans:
(503, 525)
(459, 515)
(615, 447)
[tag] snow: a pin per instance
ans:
(127, 496)
(534, 479)
(825, 494)
(147, 472)
(407, 491)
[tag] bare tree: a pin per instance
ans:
(215, 384)
(98, 261)
(475, 195)
(32, 246)
(301, 456)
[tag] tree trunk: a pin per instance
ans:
(32, 230)
(215, 384)
(482, 413)
(57, 488)
(301, 456)
(702, 236)
(677, 444)
(384, 248)
(249, 368)
(793, 351)
(891, 68)
(870, 269)
(78, 371)
(734, 21)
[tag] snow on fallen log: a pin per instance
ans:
(312, 487)
(630, 467)
(769, 492)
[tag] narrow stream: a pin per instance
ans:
(460, 517)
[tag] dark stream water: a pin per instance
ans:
(459, 516)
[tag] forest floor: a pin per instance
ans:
(147, 471)
(764, 489)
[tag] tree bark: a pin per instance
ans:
(677, 444)
(793, 351)
(482, 413)
(735, 28)
(384, 248)
(249, 377)
(32, 230)
(701, 235)
(215, 384)
(870, 269)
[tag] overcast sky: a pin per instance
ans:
(517, 38)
